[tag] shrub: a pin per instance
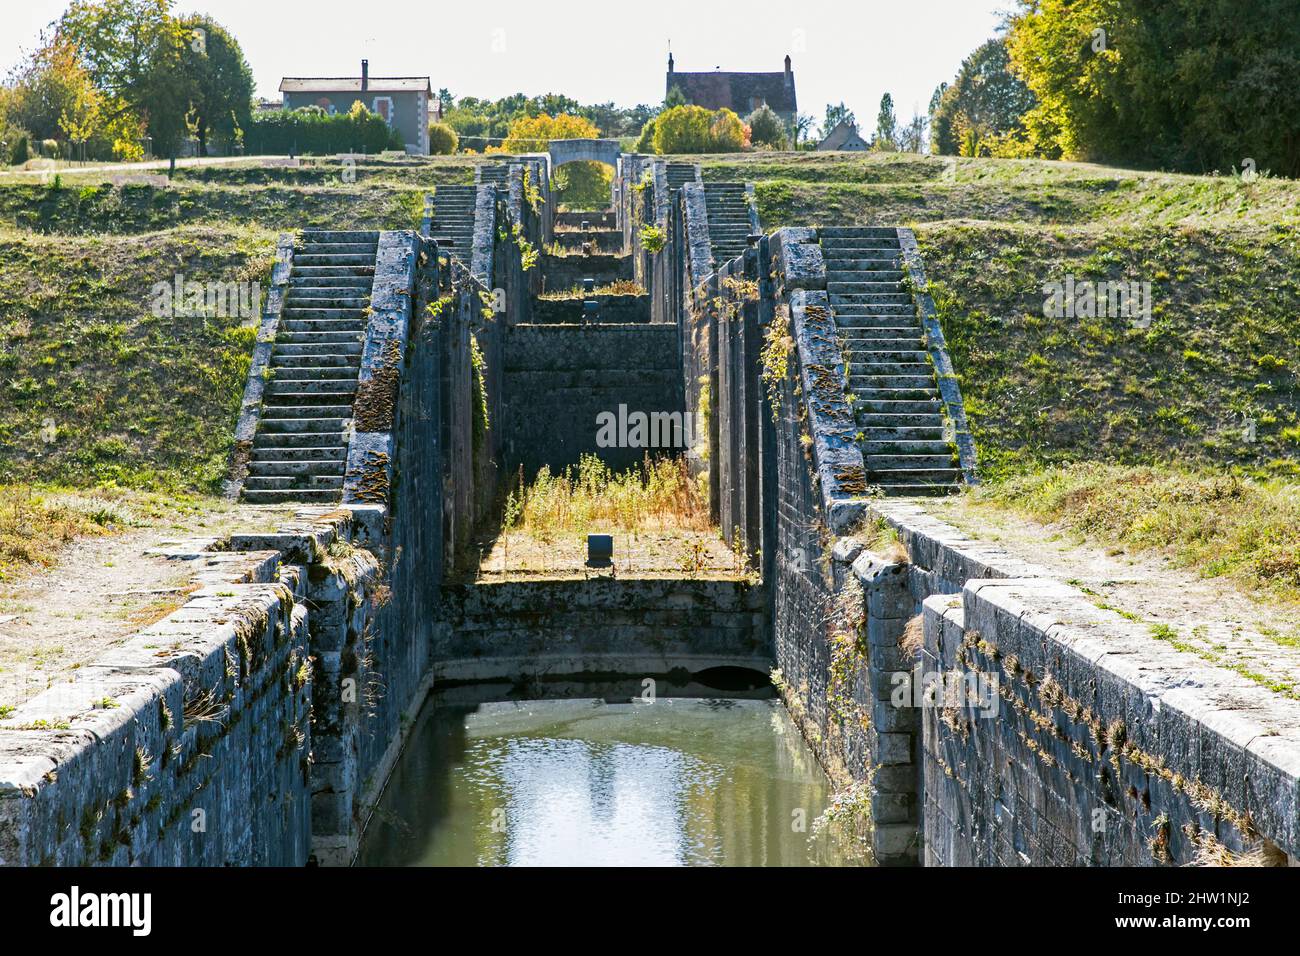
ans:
(312, 130)
(693, 129)
(646, 141)
(50, 148)
(21, 153)
(442, 139)
(766, 128)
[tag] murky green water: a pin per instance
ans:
(679, 782)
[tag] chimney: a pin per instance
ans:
(670, 61)
(365, 73)
(787, 62)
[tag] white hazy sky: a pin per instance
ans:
(850, 50)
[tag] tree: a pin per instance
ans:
(443, 140)
(766, 127)
(646, 141)
(52, 87)
(834, 116)
(220, 83)
(803, 124)
(581, 184)
(133, 51)
(886, 124)
(911, 138)
(675, 98)
(983, 108)
(1184, 84)
(694, 129)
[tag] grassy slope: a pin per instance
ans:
(1223, 258)
(97, 391)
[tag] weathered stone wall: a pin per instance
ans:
(534, 630)
(565, 273)
(558, 379)
(612, 309)
(188, 744)
(1087, 742)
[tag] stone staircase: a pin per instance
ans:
(498, 174)
(729, 225)
(453, 219)
(898, 408)
(299, 450)
(679, 174)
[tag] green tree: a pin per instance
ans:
(984, 104)
(675, 98)
(694, 129)
(443, 140)
(886, 137)
(133, 50)
(834, 116)
(1185, 84)
(766, 127)
(220, 83)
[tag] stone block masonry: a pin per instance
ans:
(533, 630)
(559, 378)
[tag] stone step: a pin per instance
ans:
(905, 407)
(838, 244)
(864, 383)
(888, 356)
(861, 286)
(332, 349)
(316, 373)
(839, 299)
(302, 259)
(339, 235)
(333, 272)
(323, 312)
(333, 283)
(893, 489)
(304, 425)
(849, 325)
(300, 326)
(863, 340)
(324, 299)
(873, 396)
(943, 462)
(863, 264)
(284, 337)
(313, 468)
(935, 446)
(291, 442)
(903, 432)
(259, 496)
(863, 274)
(294, 482)
(353, 248)
(895, 422)
(318, 360)
(332, 387)
(917, 476)
(262, 453)
(856, 232)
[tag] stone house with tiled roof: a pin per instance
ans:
(740, 92)
(403, 101)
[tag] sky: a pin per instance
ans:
(842, 50)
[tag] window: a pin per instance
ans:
(383, 105)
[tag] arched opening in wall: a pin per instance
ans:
(582, 185)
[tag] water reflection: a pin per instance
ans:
(679, 782)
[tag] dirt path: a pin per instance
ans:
(1257, 638)
(102, 591)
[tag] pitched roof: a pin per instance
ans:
(736, 91)
(843, 132)
(352, 84)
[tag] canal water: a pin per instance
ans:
(676, 782)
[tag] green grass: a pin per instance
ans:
(96, 390)
(1219, 525)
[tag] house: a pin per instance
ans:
(844, 136)
(740, 92)
(403, 101)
